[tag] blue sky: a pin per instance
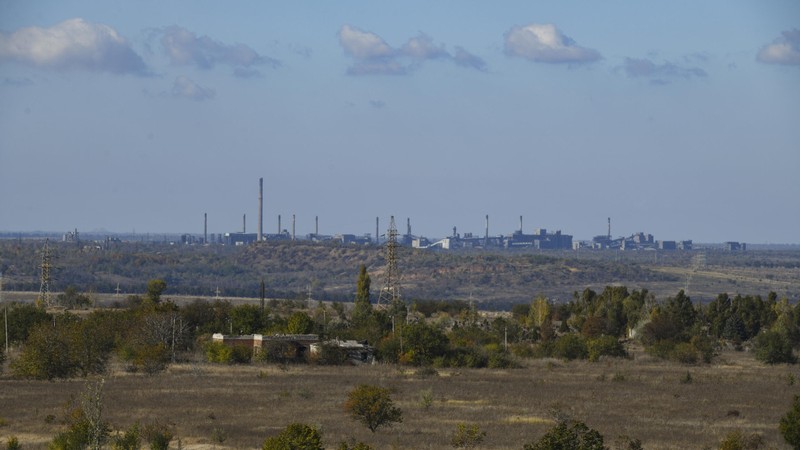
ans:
(680, 119)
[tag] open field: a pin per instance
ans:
(641, 397)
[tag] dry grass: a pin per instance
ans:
(642, 398)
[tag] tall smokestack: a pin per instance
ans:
(609, 228)
(487, 227)
(520, 224)
(260, 209)
(244, 223)
(408, 226)
(377, 232)
(293, 223)
(279, 224)
(316, 227)
(205, 228)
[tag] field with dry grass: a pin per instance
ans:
(640, 397)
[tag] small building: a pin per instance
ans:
(356, 352)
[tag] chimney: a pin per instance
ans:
(520, 224)
(316, 228)
(205, 228)
(244, 223)
(293, 223)
(260, 209)
(408, 226)
(279, 224)
(377, 233)
(487, 228)
(609, 228)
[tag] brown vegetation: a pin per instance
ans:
(643, 398)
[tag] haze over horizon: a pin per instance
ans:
(676, 119)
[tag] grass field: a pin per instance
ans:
(640, 397)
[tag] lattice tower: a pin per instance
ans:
(391, 286)
(44, 287)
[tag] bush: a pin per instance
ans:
(131, 439)
(159, 435)
(790, 424)
(372, 406)
(295, 436)
(467, 436)
(241, 354)
(217, 352)
(684, 353)
(13, 443)
(736, 440)
(605, 346)
(570, 346)
(569, 435)
(773, 347)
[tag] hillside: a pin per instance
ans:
(292, 269)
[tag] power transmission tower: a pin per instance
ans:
(391, 286)
(44, 288)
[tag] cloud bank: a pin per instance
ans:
(659, 73)
(547, 44)
(373, 56)
(783, 50)
(185, 48)
(72, 44)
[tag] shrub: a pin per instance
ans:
(241, 354)
(570, 346)
(131, 439)
(736, 440)
(467, 436)
(295, 436)
(773, 347)
(790, 424)
(372, 406)
(605, 346)
(217, 352)
(159, 435)
(354, 446)
(13, 443)
(684, 353)
(569, 435)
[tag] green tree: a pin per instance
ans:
(372, 406)
(46, 354)
(295, 436)
(299, 323)
(569, 435)
(790, 424)
(155, 288)
(773, 347)
(362, 308)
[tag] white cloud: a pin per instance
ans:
(373, 56)
(545, 43)
(185, 48)
(363, 44)
(422, 47)
(783, 50)
(72, 44)
(186, 88)
(659, 73)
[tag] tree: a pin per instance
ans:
(362, 309)
(295, 436)
(299, 323)
(569, 435)
(155, 288)
(773, 347)
(790, 424)
(372, 406)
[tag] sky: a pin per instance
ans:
(680, 119)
